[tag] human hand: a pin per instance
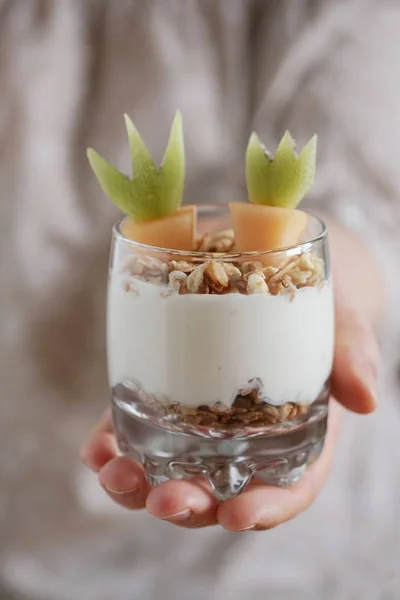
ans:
(191, 504)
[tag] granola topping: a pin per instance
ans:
(256, 284)
(216, 276)
(219, 243)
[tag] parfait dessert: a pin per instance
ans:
(220, 319)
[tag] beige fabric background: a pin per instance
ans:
(68, 71)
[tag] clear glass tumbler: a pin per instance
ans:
(220, 362)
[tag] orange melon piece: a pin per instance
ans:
(175, 232)
(259, 228)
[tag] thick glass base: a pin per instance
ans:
(278, 456)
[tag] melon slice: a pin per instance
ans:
(259, 228)
(175, 232)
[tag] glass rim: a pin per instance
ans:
(303, 246)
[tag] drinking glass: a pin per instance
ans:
(220, 362)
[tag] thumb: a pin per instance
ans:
(355, 368)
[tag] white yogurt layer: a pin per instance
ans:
(202, 349)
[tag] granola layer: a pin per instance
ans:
(247, 410)
(244, 413)
(215, 273)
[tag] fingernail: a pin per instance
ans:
(250, 528)
(254, 528)
(184, 515)
(132, 490)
